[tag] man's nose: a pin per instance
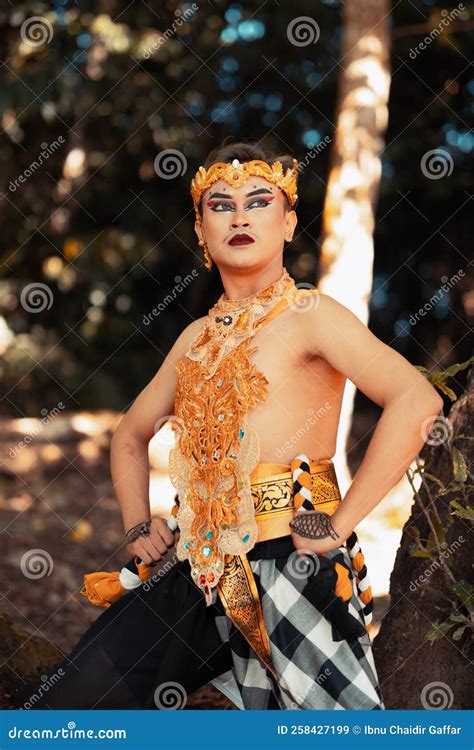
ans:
(239, 219)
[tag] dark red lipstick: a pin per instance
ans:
(241, 239)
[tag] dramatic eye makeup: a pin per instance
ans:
(227, 200)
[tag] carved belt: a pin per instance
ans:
(273, 495)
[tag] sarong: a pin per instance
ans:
(159, 642)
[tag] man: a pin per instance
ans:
(270, 599)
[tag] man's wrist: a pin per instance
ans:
(313, 524)
(141, 529)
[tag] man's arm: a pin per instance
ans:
(410, 405)
(129, 462)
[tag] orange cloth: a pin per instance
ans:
(103, 588)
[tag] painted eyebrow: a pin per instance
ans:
(254, 192)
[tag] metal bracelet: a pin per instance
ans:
(141, 529)
(313, 525)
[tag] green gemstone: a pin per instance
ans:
(209, 535)
(246, 538)
(206, 550)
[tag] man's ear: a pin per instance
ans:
(198, 230)
(291, 221)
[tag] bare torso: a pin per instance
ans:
(302, 409)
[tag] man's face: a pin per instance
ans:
(256, 209)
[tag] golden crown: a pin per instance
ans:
(236, 173)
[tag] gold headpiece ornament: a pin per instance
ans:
(235, 174)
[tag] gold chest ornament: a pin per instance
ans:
(216, 449)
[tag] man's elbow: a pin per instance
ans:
(423, 401)
(432, 401)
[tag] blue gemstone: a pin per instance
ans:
(206, 550)
(246, 538)
(186, 545)
(209, 535)
(241, 433)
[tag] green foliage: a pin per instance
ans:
(439, 378)
(458, 595)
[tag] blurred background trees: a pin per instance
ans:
(102, 89)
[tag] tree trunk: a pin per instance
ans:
(348, 216)
(414, 672)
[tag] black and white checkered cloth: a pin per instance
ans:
(320, 648)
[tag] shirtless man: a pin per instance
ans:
(306, 358)
(289, 627)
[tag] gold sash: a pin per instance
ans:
(272, 492)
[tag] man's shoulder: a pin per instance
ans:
(187, 336)
(323, 323)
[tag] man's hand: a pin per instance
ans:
(320, 532)
(151, 549)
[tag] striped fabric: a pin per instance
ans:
(300, 468)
